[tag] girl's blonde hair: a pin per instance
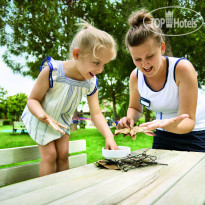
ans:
(142, 27)
(90, 39)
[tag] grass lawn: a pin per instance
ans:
(94, 141)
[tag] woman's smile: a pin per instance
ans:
(148, 69)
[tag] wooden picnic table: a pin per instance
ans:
(181, 182)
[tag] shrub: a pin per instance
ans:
(7, 122)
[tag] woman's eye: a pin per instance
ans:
(96, 63)
(137, 59)
(149, 56)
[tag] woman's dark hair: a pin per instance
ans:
(142, 27)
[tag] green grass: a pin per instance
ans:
(94, 141)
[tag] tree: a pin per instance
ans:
(3, 107)
(16, 105)
(114, 82)
(46, 27)
(38, 31)
(193, 46)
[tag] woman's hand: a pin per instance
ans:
(111, 144)
(125, 122)
(54, 124)
(164, 124)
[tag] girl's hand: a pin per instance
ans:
(167, 123)
(111, 144)
(54, 124)
(125, 122)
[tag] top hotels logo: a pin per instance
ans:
(177, 21)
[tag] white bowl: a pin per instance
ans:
(122, 152)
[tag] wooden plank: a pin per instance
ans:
(19, 173)
(19, 154)
(28, 153)
(90, 187)
(77, 160)
(41, 182)
(57, 185)
(80, 171)
(29, 171)
(77, 146)
(189, 190)
(166, 179)
(115, 189)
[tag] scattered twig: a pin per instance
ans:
(130, 162)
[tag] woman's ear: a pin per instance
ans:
(76, 52)
(162, 47)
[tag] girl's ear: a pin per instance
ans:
(162, 47)
(76, 52)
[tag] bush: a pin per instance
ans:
(82, 124)
(7, 122)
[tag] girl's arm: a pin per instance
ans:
(37, 94)
(100, 121)
(135, 108)
(186, 80)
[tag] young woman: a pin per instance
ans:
(167, 85)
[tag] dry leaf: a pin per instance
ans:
(132, 132)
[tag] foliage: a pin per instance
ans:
(43, 28)
(193, 47)
(6, 122)
(36, 29)
(16, 105)
(3, 109)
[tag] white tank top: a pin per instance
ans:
(165, 102)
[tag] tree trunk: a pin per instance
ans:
(114, 106)
(168, 49)
(73, 126)
(147, 115)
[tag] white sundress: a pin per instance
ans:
(60, 102)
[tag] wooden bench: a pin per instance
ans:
(24, 172)
(18, 126)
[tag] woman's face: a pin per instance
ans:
(148, 56)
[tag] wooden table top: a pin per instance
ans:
(181, 182)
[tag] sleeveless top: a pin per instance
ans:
(60, 102)
(165, 102)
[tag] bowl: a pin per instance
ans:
(122, 152)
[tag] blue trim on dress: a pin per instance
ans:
(176, 66)
(160, 115)
(167, 59)
(137, 73)
(48, 59)
(96, 87)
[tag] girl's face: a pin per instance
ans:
(89, 65)
(147, 56)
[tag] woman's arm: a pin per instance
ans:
(34, 101)
(135, 108)
(100, 121)
(186, 80)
